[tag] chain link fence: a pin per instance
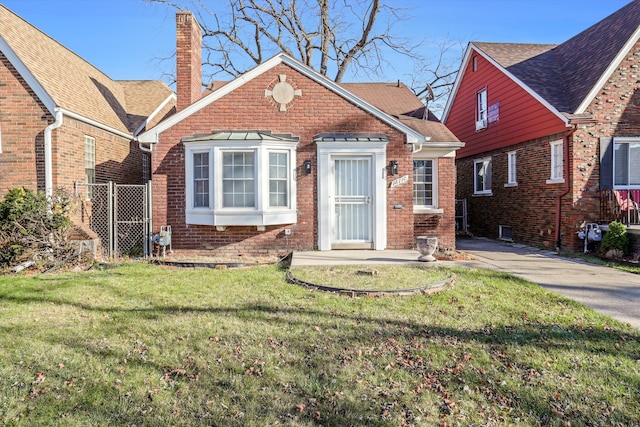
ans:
(119, 215)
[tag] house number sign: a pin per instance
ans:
(399, 181)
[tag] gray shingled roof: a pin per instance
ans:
(565, 74)
(76, 85)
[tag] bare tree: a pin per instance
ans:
(433, 78)
(335, 37)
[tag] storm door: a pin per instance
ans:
(352, 225)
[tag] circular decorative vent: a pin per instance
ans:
(282, 92)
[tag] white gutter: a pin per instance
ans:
(96, 124)
(48, 153)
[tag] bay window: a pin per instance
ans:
(240, 178)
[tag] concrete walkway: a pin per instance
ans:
(360, 257)
(611, 292)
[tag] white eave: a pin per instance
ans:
(459, 77)
(151, 136)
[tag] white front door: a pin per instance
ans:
(352, 207)
(352, 194)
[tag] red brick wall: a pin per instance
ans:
(23, 120)
(317, 110)
(442, 225)
(528, 208)
(22, 123)
(117, 159)
(616, 110)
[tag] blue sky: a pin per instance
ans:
(125, 38)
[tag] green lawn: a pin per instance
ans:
(145, 345)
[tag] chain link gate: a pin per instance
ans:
(120, 215)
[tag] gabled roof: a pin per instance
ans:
(361, 95)
(566, 76)
(62, 79)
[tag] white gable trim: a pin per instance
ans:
(608, 72)
(28, 77)
(470, 49)
(171, 97)
(456, 84)
(151, 136)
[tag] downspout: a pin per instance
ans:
(48, 153)
(566, 186)
(145, 149)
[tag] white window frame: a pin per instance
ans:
(627, 141)
(286, 179)
(262, 213)
(481, 109)
(433, 207)
(89, 163)
(89, 159)
(486, 165)
(512, 172)
(557, 162)
(207, 178)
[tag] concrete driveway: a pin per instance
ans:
(609, 291)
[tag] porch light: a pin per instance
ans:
(307, 166)
(394, 167)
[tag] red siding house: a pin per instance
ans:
(283, 159)
(63, 121)
(552, 133)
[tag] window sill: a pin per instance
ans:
(417, 210)
(511, 184)
(242, 218)
(487, 194)
(555, 181)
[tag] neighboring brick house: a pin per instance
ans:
(552, 133)
(63, 121)
(284, 159)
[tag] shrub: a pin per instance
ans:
(615, 238)
(32, 227)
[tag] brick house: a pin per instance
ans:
(552, 133)
(283, 159)
(63, 121)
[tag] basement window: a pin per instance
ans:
(505, 233)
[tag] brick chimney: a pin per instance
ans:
(188, 59)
